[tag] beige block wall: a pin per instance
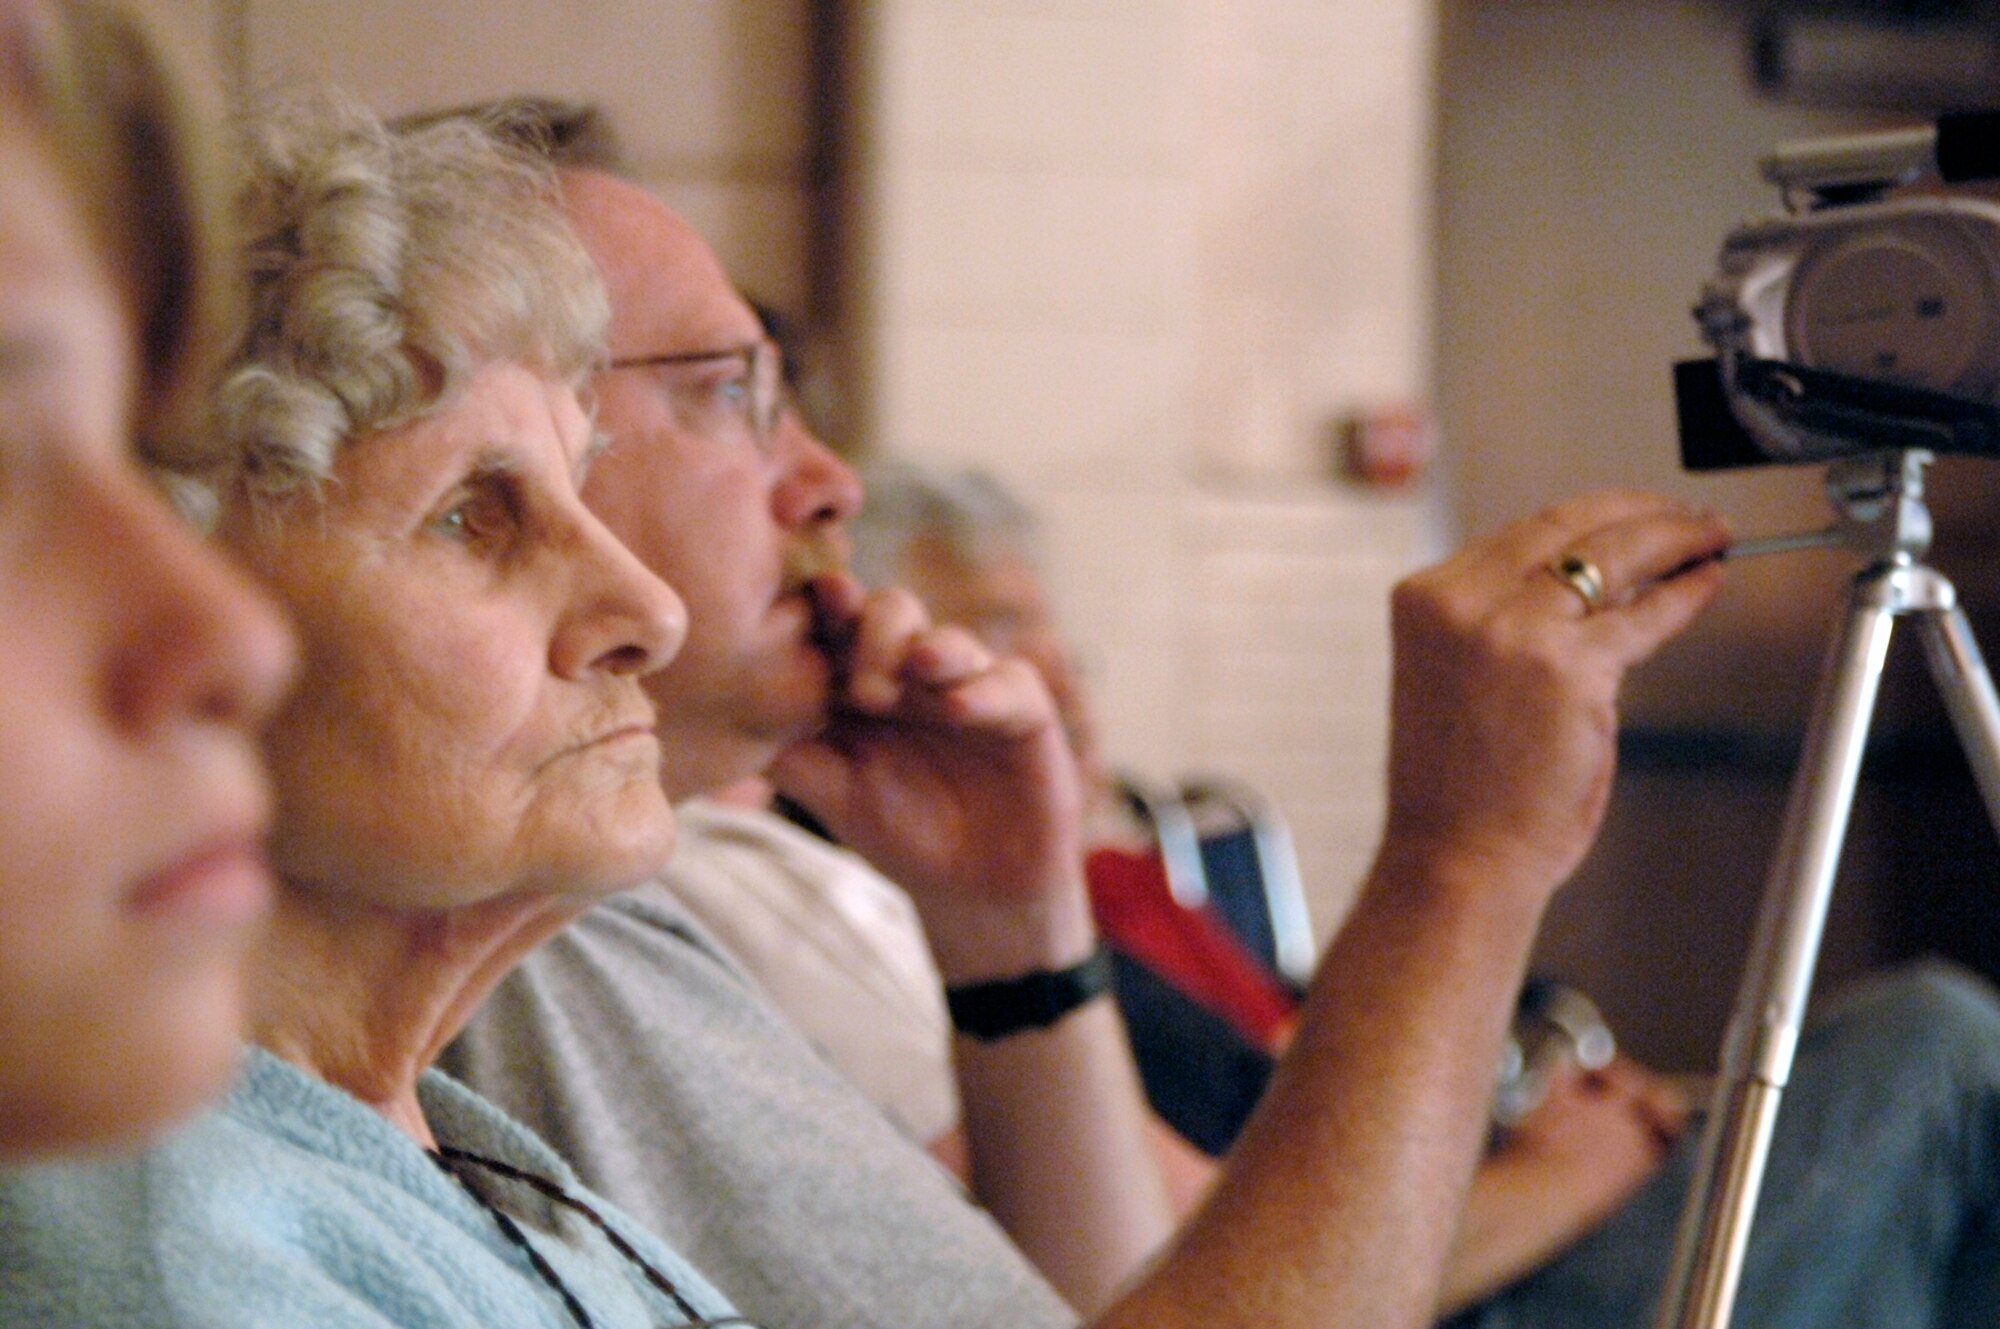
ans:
(198, 33)
(1313, 181)
(710, 95)
(1135, 258)
(1313, 184)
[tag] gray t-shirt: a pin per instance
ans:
(651, 1066)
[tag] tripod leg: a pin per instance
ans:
(1969, 697)
(1763, 1032)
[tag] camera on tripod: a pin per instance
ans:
(1862, 328)
(1866, 317)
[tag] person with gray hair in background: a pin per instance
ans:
(916, 519)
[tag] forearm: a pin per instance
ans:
(1061, 1155)
(1343, 1195)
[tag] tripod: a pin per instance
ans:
(1879, 501)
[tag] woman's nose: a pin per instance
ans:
(626, 619)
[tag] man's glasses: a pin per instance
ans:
(719, 393)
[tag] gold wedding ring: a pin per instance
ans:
(1582, 576)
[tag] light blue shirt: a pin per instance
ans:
(292, 1204)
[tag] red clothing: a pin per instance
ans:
(1190, 948)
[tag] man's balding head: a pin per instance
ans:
(669, 292)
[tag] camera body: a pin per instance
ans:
(1858, 321)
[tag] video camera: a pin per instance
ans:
(1865, 318)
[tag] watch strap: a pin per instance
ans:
(992, 1011)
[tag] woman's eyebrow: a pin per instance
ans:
(491, 460)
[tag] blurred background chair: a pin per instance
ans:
(1205, 915)
(1225, 847)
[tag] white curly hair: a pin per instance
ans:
(386, 267)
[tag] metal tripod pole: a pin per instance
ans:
(1880, 500)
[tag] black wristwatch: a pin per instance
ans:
(992, 1011)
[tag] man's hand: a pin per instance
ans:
(946, 767)
(1569, 1165)
(1504, 713)
(1602, 1132)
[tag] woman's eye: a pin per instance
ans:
(453, 524)
(481, 515)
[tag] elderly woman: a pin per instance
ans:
(134, 664)
(468, 763)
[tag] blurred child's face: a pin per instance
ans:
(134, 668)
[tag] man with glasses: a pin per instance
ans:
(643, 1058)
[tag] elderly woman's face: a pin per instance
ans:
(470, 722)
(134, 668)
